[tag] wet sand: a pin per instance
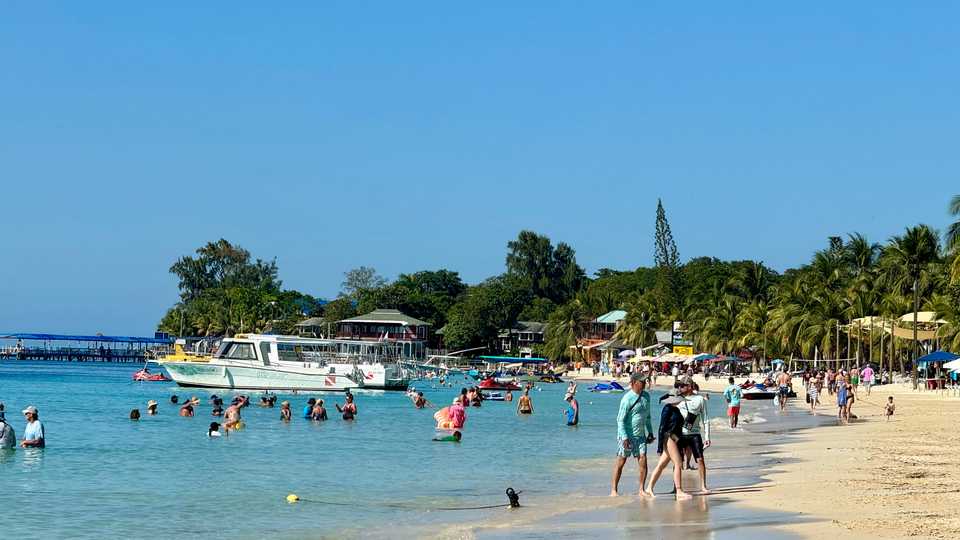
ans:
(738, 464)
(795, 475)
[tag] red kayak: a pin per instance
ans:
(492, 384)
(145, 375)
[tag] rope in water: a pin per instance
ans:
(292, 498)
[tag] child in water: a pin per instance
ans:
(214, 430)
(453, 437)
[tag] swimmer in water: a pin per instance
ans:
(231, 418)
(349, 410)
(152, 407)
(308, 409)
(453, 437)
(319, 413)
(135, 414)
(285, 413)
(187, 409)
(214, 430)
(420, 401)
(509, 396)
(525, 404)
(174, 399)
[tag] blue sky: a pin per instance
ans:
(409, 136)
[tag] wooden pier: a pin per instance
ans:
(71, 348)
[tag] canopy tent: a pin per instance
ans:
(627, 353)
(923, 317)
(937, 356)
(511, 360)
(953, 365)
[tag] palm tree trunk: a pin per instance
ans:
(916, 344)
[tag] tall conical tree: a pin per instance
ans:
(667, 259)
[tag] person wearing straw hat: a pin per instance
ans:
(152, 407)
(8, 437)
(33, 435)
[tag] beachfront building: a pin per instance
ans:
(519, 339)
(599, 332)
(387, 325)
(313, 327)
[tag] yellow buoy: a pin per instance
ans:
(292, 498)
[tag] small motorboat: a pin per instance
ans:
(612, 386)
(145, 375)
(493, 384)
(759, 392)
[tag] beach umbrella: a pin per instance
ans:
(627, 353)
(953, 365)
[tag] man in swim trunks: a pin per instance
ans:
(634, 430)
(784, 383)
(231, 417)
(732, 395)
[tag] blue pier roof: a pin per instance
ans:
(102, 339)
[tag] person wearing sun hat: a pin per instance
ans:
(152, 407)
(33, 435)
(8, 437)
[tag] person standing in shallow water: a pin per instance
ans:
(634, 430)
(8, 437)
(525, 404)
(573, 410)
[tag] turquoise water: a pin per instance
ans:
(102, 474)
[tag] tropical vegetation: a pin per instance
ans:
(835, 306)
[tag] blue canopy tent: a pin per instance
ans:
(937, 356)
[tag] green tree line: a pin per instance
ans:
(727, 306)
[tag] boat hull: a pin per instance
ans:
(253, 377)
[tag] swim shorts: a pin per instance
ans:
(638, 447)
(784, 390)
(733, 411)
(694, 443)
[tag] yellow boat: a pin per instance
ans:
(181, 355)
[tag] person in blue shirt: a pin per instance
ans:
(573, 410)
(733, 394)
(634, 430)
(308, 409)
(33, 435)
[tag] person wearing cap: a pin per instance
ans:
(634, 430)
(8, 437)
(696, 428)
(33, 435)
(668, 439)
(152, 407)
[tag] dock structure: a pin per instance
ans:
(77, 348)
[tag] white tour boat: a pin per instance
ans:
(268, 362)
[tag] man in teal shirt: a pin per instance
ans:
(634, 430)
(732, 395)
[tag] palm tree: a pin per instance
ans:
(640, 327)
(953, 231)
(564, 328)
(914, 252)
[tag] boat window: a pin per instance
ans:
(265, 353)
(240, 351)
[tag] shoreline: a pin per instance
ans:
(812, 478)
